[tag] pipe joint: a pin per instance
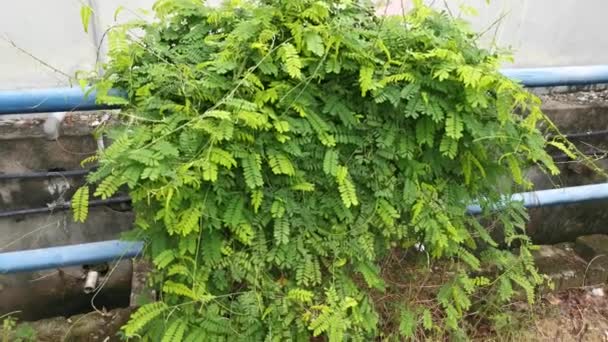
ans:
(90, 282)
(92, 275)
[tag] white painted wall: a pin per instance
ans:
(541, 32)
(546, 32)
(49, 30)
(52, 31)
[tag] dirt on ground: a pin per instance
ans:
(93, 326)
(575, 314)
(572, 315)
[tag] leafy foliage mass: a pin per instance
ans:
(274, 150)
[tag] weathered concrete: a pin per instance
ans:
(60, 292)
(566, 269)
(593, 248)
(91, 326)
(27, 126)
(141, 292)
(566, 223)
(573, 113)
(24, 149)
(45, 230)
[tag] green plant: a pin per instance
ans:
(8, 325)
(11, 332)
(274, 150)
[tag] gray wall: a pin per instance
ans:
(541, 32)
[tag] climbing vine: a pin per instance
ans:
(274, 150)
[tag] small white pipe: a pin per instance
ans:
(100, 144)
(52, 125)
(90, 283)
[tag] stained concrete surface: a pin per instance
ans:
(577, 112)
(566, 268)
(24, 149)
(59, 292)
(91, 326)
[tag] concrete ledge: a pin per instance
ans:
(23, 126)
(566, 269)
(60, 293)
(593, 248)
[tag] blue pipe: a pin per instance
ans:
(547, 198)
(49, 100)
(73, 255)
(69, 99)
(98, 252)
(559, 76)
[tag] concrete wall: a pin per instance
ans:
(542, 32)
(24, 149)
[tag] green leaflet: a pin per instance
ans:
(280, 164)
(314, 43)
(179, 289)
(189, 221)
(516, 171)
(142, 317)
(454, 126)
(281, 230)
(425, 131)
(80, 204)
(85, 17)
(233, 215)
(300, 295)
(366, 81)
(210, 170)
(427, 319)
(108, 187)
(448, 147)
(256, 200)
(346, 187)
(407, 324)
(175, 332)
(252, 166)
(291, 61)
(330, 162)
(371, 274)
